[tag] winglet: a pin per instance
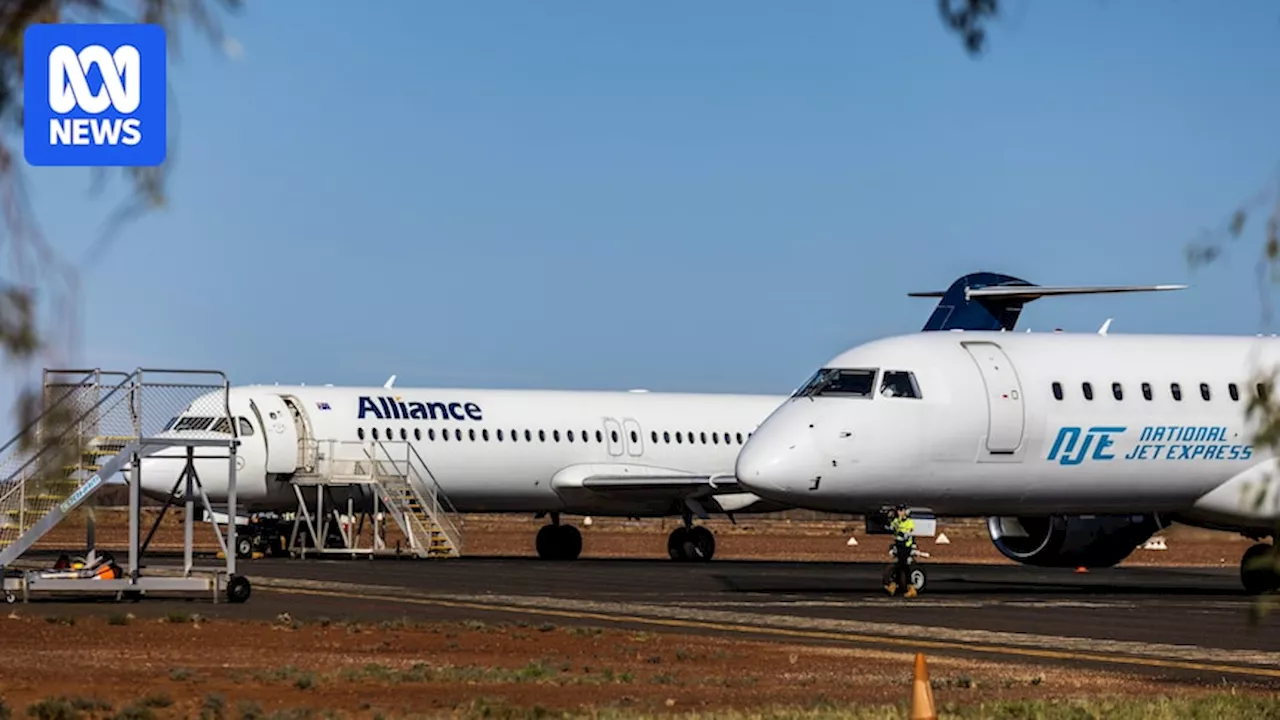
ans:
(390, 381)
(1103, 330)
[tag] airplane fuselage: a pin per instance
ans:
(1026, 424)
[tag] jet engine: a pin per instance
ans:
(1071, 540)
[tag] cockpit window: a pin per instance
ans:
(839, 382)
(192, 423)
(899, 384)
(246, 429)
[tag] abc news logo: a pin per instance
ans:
(95, 95)
(69, 89)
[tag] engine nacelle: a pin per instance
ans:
(1071, 540)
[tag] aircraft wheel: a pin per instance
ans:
(700, 544)
(676, 542)
(547, 542)
(1257, 569)
(244, 547)
(570, 542)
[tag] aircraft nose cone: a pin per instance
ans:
(772, 465)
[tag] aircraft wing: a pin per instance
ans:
(649, 486)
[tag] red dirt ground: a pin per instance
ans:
(180, 665)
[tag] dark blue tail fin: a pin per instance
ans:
(991, 301)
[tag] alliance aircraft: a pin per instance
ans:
(1075, 447)
(548, 452)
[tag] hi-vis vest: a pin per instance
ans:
(903, 529)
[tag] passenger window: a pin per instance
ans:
(1088, 390)
(359, 434)
(528, 436)
(555, 435)
(431, 434)
(1117, 391)
(417, 434)
(613, 434)
(569, 434)
(471, 434)
(666, 436)
(599, 436)
(1234, 392)
(485, 434)
(457, 435)
(542, 436)
(1057, 391)
(404, 434)
(653, 436)
(391, 434)
(1204, 391)
(634, 438)
(1176, 390)
(1146, 391)
(739, 438)
(375, 433)
(678, 437)
(899, 383)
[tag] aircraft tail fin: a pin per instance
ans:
(992, 301)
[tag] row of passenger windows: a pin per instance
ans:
(483, 435)
(1175, 391)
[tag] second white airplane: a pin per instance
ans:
(1075, 447)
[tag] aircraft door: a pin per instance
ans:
(280, 431)
(634, 437)
(613, 436)
(1005, 416)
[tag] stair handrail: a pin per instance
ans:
(71, 426)
(436, 501)
(45, 411)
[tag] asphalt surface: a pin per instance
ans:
(1178, 622)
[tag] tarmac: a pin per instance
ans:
(1177, 622)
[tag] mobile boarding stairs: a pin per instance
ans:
(397, 481)
(94, 424)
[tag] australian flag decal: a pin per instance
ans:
(323, 406)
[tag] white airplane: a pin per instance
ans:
(1075, 447)
(621, 454)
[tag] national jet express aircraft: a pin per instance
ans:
(543, 452)
(1075, 447)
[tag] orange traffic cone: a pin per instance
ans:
(921, 693)
(1082, 569)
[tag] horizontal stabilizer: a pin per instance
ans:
(1036, 291)
(992, 301)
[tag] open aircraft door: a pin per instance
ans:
(281, 432)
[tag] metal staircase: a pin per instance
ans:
(398, 481)
(92, 425)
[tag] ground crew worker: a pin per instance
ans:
(904, 542)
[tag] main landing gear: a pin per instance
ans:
(1258, 569)
(558, 542)
(691, 542)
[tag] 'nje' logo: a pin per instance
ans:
(94, 95)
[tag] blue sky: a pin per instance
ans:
(713, 196)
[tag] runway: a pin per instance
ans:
(1180, 621)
